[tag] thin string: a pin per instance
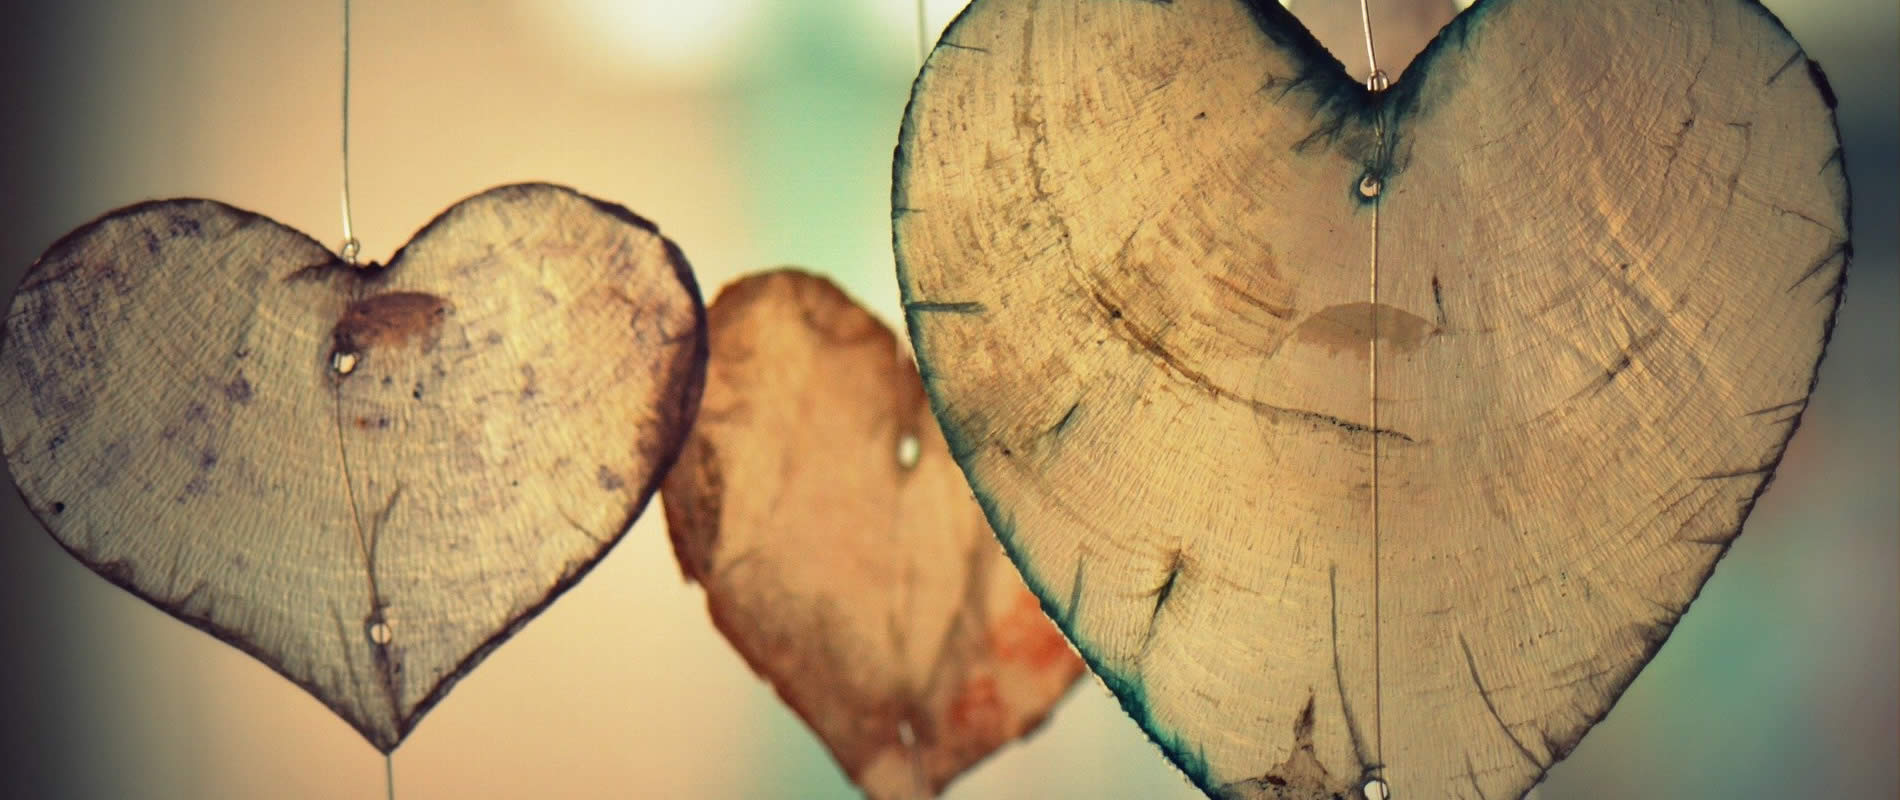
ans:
(1372, 58)
(923, 33)
(1378, 623)
(350, 245)
(389, 773)
(1376, 82)
(343, 367)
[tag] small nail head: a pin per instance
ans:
(1370, 185)
(1377, 81)
(350, 250)
(343, 362)
(381, 633)
(1375, 789)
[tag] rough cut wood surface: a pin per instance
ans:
(1135, 243)
(364, 477)
(841, 552)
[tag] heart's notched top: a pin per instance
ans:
(1149, 253)
(367, 477)
(388, 320)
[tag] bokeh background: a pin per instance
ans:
(757, 134)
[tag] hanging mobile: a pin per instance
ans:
(1330, 537)
(366, 476)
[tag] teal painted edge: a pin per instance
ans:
(1339, 97)
(1128, 690)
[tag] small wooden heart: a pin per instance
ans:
(365, 477)
(1358, 436)
(841, 552)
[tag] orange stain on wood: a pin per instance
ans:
(978, 706)
(1025, 635)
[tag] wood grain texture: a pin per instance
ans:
(365, 477)
(1136, 260)
(840, 550)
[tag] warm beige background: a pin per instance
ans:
(758, 133)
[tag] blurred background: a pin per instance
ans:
(759, 134)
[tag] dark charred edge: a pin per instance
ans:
(614, 210)
(1485, 695)
(1127, 689)
(1339, 681)
(1656, 634)
(33, 278)
(1166, 590)
(924, 307)
(686, 383)
(1821, 85)
(124, 580)
(955, 46)
(37, 274)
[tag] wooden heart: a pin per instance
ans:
(840, 550)
(1154, 256)
(367, 478)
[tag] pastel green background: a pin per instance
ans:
(759, 133)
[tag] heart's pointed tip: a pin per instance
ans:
(1045, 328)
(189, 461)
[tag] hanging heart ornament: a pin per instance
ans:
(365, 477)
(1160, 259)
(840, 550)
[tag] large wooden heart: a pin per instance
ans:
(368, 477)
(1153, 255)
(840, 550)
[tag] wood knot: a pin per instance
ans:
(388, 321)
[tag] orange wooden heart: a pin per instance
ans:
(840, 550)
